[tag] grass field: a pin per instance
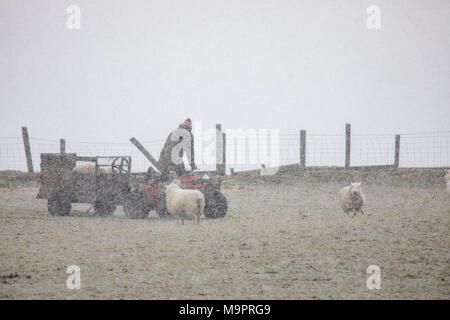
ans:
(282, 239)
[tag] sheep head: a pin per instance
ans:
(355, 188)
(172, 186)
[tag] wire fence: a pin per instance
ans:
(427, 150)
(252, 151)
(12, 154)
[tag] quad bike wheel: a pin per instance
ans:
(59, 204)
(161, 207)
(216, 205)
(137, 205)
(104, 207)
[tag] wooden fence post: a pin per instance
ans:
(224, 152)
(219, 149)
(302, 149)
(347, 145)
(397, 151)
(62, 146)
(26, 144)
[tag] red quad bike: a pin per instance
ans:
(150, 194)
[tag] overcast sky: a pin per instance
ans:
(139, 68)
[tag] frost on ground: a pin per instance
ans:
(281, 239)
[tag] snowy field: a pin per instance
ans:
(283, 238)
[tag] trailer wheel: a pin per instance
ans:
(104, 207)
(216, 205)
(59, 204)
(137, 205)
(161, 206)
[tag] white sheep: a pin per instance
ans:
(447, 181)
(352, 198)
(90, 168)
(184, 203)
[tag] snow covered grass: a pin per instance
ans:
(281, 239)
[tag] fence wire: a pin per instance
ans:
(425, 150)
(372, 150)
(252, 152)
(325, 150)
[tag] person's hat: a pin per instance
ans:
(188, 122)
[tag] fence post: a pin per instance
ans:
(26, 144)
(224, 152)
(62, 146)
(347, 145)
(302, 149)
(397, 151)
(219, 148)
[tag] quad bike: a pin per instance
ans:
(149, 193)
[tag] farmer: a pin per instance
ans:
(183, 139)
